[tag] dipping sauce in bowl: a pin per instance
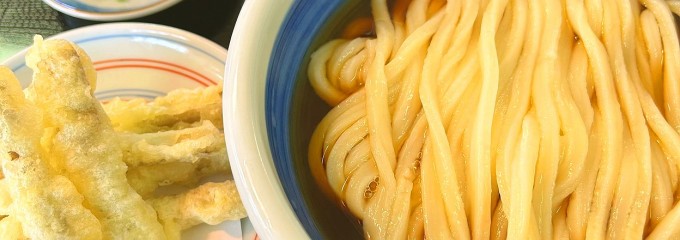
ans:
(464, 119)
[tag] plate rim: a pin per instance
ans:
(76, 34)
(124, 14)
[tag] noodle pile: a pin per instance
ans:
(495, 119)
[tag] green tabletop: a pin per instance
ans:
(21, 19)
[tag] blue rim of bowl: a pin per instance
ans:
(81, 6)
(302, 22)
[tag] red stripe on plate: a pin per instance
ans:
(156, 61)
(153, 67)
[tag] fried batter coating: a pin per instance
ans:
(85, 142)
(5, 198)
(164, 113)
(184, 145)
(210, 203)
(46, 204)
(146, 179)
(11, 229)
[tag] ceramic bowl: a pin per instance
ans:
(271, 112)
(110, 10)
(146, 60)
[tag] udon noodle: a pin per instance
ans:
(495, 119)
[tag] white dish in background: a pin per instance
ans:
(147, 60)
(110, 10)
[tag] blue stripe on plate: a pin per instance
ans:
(127, 92)
(103, 37)
(78, 5)
(124, 96)
(119, 91)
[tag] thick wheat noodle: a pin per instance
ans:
(595, 10)
(674, 6)
(492, 119)
(480, 152)
(407, 50)
(401, 183)
(560, 228)
(457, 134)
(662, 191)
(499, 224)
(573, 140)
(381, 206)
(445, 172)
(578, 71)
(336, 159)
(579, 204)
(437, 226)
(669, 37)
(509, 54)
(644, 69)
(623, 197)
(408, 105)
(411, 46)
(611, 114)
(642, 52)
(355, 190)
(339, 57)
(511, 50)
(638, 126)
(668, 225)
(417, 226)
(523, 177)
(652, 39)
(466, 73)
(346, 62)
(398, 14)
(357, 156)
(544, 103)
(575, 145)
(668, 138)
(460, 46)
(511, 128)
(317, 67)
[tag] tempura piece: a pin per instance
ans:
(166, 112)
(85, 142)
(210, 203)
(47, 205)
(146, 179)
(184, 145)
(5, 198)
(11, 229)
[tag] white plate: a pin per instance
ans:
(110, 10)
(146, 60)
